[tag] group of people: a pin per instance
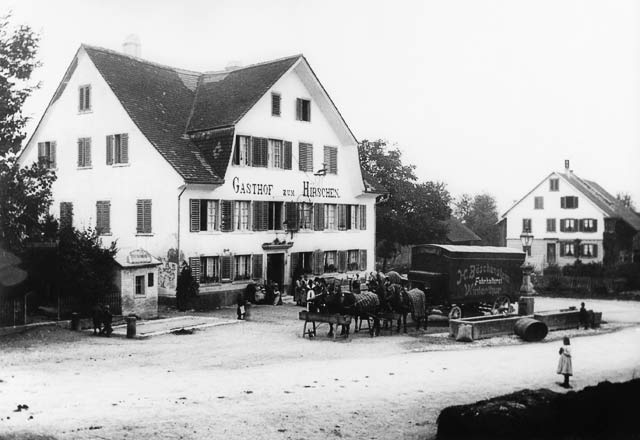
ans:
(102, 320)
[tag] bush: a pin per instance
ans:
(552, 270)
(579, 269)
(629, 271)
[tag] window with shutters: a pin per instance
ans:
(567, 249)
(342, 261)
(318, 216)
(286, 155)
(203, 215)
(242, 265)
(568, 225)
(363, 259)
(589, 250)
(259, 152)
(275, 216)
(304, 262)
(569, 202)
(226, 267)
(66, 215)
(330, 261)
(118, 149)
(150, 279)
(331, 159)
(526, 225)
(209, 270)
(554, 184)
(139, 280)
(303, 110)
(330, 217)
(242, 152)
(354, 217)
(538, 202)
(342, 217)
(143, 223)
(352, 259)
(306, 215)
(275, 154)
(84, 98)
(551, 225)
(257, 266)
(260, 215)
(241, 215)
(84, 153)
(47, 154)
(103, 217)
(275, 104)
(226, 215)
(291, 216)
(363, 217)
(305, 157)
(588, 225)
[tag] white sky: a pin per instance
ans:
(484, 95)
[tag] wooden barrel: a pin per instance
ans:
(531, 330)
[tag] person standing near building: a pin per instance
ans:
(107, 319)
(565, 366)
(96, 313)
(583, 316)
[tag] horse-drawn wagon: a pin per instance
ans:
(460, 280)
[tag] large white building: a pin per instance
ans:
(572, 218)
(247, 173)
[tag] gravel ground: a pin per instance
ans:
(259, 379)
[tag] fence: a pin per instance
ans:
(12, 311)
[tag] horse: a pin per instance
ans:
(363, 305)
(331, 302)
(404, 302)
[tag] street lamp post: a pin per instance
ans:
(527, 241)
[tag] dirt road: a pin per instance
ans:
(259, 379)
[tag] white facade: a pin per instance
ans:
(148, 176)
(547, 241)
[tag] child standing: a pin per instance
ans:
(564, 363)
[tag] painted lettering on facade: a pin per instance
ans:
(259, 189)
(309, 190)
(482, 279)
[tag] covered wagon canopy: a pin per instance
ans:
(461, 252)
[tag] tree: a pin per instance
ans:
(25, 198)
(483, 219)
(412, 212)
(462, 207)
(18, 49)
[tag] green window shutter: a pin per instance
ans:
(147, 216)
(291, 214)
(318, 216)
(143, 224)
(52, 156)
(110, 150)
(260, 215)
(40, 150)
(363, 217)
(87, 152)
(256, 260)
(595, 250)
(260, 152)
(139, 216)
(342, 261)
(331, 159)
(103, 217)
(226, 215)
(87, 98)
(124, 148)
(196, 267)
(286, 162)
(562, 225)
(194, 214)
(236, 151)
(298, 109)
(363, 259)
(226, 267)
(595, 225)
(563, 202)
(317, 263)
(81, 101)
(581, 225)
(342, 217)
(80, 151)
(264, 217)
(302, 157)
(295, 260)
(562, 249)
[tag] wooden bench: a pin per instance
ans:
(314, 317)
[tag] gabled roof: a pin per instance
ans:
(223, 98)
(603, 200)
(158, 99)
(458, 232)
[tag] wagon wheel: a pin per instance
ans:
(455, 312)
(500, 304)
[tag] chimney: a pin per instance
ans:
(567, 171)
(131, 46)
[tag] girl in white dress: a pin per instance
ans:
(564, 363)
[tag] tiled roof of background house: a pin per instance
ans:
(458, 232)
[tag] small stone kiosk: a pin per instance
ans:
(137, 279)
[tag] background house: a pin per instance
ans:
(572, 218)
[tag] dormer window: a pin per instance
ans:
(275, 104)
(84, 98)
(303, 110)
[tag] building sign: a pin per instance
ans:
(139, 256)
(267, 189)
(482, 279)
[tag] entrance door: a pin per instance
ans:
(551, 253)
(275, 268)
